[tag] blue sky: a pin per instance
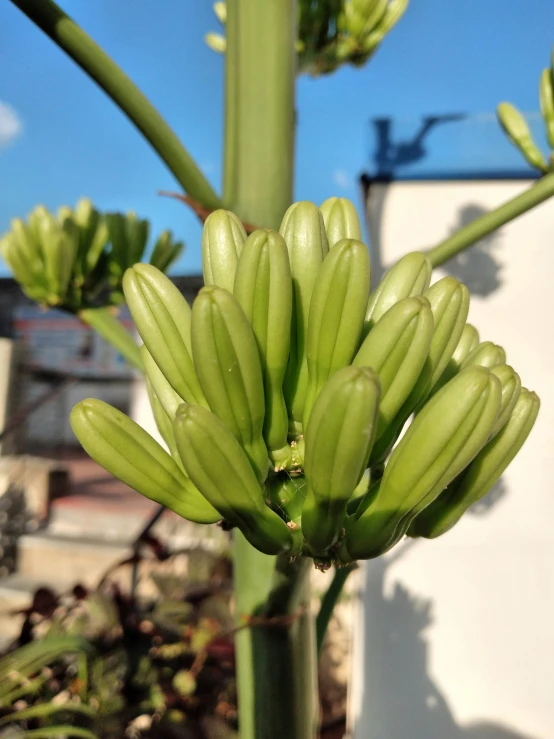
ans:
(61, 138)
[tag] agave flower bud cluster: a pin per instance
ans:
(517, 130)
(282, 393)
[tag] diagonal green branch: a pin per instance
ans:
(102, 69)
(489, 222)
(329, 601)
(114, 332)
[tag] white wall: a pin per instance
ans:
(454, 637)
(7, 363)
(141, 411)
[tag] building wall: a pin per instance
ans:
(453, 637)
(54, 340)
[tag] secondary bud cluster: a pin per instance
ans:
(282, 393)
(76, 258)
(516, 129)
(332, 33)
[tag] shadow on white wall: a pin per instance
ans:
(401, 700)
(479, 267)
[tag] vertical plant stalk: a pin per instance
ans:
(276, 658)
(260, 76)
(489, 222)
(104, 71)
(103, 321)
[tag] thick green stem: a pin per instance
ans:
(277, 666)
(276, 671)
(276, 660)
(486, 224)
(259, 109)
(329, 601)
(102, 69)
(103, 321)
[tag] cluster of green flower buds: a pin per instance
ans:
(282, 393)
(332, 32)
(516, 129)
(77, 257)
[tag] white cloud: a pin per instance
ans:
(341, 179)
(10, 124)
(208, 167)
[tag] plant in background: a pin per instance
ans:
(281, 408)
(75, 259)
(103, 663)
(516, 129)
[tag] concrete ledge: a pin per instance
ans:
(75, 560)
(42, 480)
